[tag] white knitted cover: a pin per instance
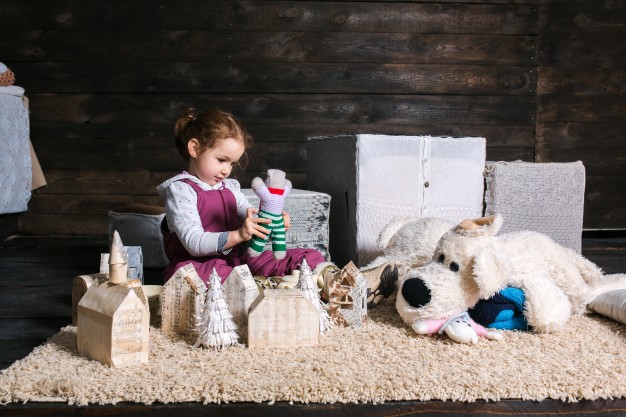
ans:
(543, 197)
(309, 212)
(416, 176)
(15, 163)
(374, 178)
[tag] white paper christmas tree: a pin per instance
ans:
(310, 291)
(215, 326)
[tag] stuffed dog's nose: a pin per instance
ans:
(415, 292)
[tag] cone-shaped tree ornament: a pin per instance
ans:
(118, 261)
(310, 291)
(215, 326)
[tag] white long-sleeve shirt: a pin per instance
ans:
(181, 212)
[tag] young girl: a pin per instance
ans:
(208, 219)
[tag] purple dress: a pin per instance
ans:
(218, 213)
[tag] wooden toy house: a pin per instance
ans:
(113, 323)
(113, 317)
(348, 297)
(282, 318)
(81, 283)
(182, 299)
(240, 290)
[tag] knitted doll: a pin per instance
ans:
(272, 193)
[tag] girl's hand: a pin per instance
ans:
(253, 226)
(286, 220)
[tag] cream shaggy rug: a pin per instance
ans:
(382, 361)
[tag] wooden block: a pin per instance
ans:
(283, 318)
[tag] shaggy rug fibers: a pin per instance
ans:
(382, 361)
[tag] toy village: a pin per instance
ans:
(113, 311)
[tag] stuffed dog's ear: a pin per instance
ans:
(480, 227)
(490, 270)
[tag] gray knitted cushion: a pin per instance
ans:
(309, 212)
(543, 197)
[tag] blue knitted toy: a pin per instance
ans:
(505, 310)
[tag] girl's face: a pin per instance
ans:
(214, 164)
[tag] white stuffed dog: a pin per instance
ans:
(470, 263)
(409, 242)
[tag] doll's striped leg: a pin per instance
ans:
(279, 246)
(257, 244)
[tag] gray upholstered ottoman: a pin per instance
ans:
(543, 197)
(309, 212)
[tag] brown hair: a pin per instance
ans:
(208, 128)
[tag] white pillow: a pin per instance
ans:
(611, 304)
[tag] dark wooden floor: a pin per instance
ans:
(35, 301)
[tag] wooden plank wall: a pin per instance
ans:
(582, 100)
(106, 82)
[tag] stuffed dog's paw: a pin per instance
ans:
(491, 335)
(461, 331)
(421, 327)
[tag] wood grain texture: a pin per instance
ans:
(540, 80)
(423, 17)
(253, 77)
(605, 201)
(239, 46)
(581, 113)
(497, 135)
(285, 108)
